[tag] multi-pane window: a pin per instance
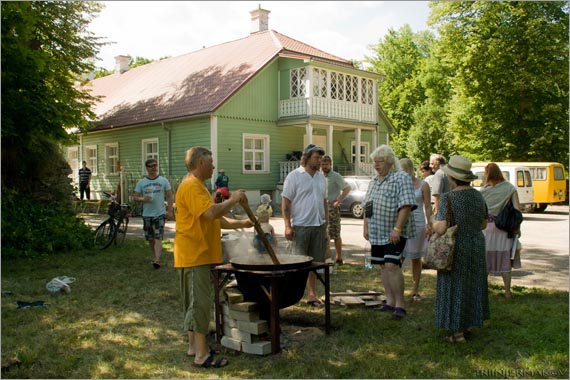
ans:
(319, 83)
(255, 153)
(334, 85)
(111, 158)
(366, 91)
(354, 90)
(341, 89)
(149, 150)
(91, 158)
(298, 88)
(370, 91)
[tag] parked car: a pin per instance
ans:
(352, 204)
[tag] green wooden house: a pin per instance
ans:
(254, 102)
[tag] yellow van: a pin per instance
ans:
(548, 182)
(516, 173)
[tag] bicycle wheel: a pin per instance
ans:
(105, 234)
(122, 230)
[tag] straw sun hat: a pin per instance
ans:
(459, 168)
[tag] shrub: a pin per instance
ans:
(31, 227)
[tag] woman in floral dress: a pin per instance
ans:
(462, 299)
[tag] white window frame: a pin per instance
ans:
(364, 156)
(145, 155)
(265, 151)
(298, 86)
(91, 159)
(111, 160)
(73, 161)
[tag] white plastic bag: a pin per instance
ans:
(58, 284)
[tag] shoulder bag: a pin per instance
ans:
(440, 249)
(509, 219)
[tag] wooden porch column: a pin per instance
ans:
(330, 141)
(357, 151)
(309, 133)
(375, 135)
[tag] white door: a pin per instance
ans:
(524, 185)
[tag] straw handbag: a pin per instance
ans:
(440, 249)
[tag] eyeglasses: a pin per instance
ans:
(152, 166)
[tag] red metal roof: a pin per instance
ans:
(191, 84)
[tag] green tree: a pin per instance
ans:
(398, 56)
(45, 49)
(510, 83)
(429, 132)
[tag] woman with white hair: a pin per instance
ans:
(391, 197)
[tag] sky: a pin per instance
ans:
(155, 29)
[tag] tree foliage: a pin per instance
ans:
(493, 84)
(398, 57)
(510, 64)
(45, 48)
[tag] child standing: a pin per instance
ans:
(268, 230)
(265, 205)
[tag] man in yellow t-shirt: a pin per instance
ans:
(198, 246)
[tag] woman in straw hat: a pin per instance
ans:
(462, 299)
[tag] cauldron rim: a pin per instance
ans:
(246, 262)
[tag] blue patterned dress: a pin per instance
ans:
(462, 298)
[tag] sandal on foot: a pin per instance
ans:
(209, 362)
(399, 313)
(416, 297)
(384, 307)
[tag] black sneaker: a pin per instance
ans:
(155, 265)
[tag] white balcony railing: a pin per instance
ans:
(339, 109)
(286, 167)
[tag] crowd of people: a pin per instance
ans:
(402, 212)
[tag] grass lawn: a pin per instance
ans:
(123, 320)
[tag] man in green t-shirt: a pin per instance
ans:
(337, 190)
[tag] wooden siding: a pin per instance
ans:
(230, 151)
(257, 100)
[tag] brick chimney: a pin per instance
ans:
(259, 20)
(121, 64)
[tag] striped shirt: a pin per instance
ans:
(84, 175)
(388, 196)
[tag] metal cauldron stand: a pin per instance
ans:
(221, 274)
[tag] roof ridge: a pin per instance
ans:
(344, 60)
(275, 39)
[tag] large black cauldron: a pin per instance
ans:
(257, 274)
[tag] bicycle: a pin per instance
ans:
(114, 228)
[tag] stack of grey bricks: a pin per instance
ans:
(242, 326)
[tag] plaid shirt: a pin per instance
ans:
(388, 197)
